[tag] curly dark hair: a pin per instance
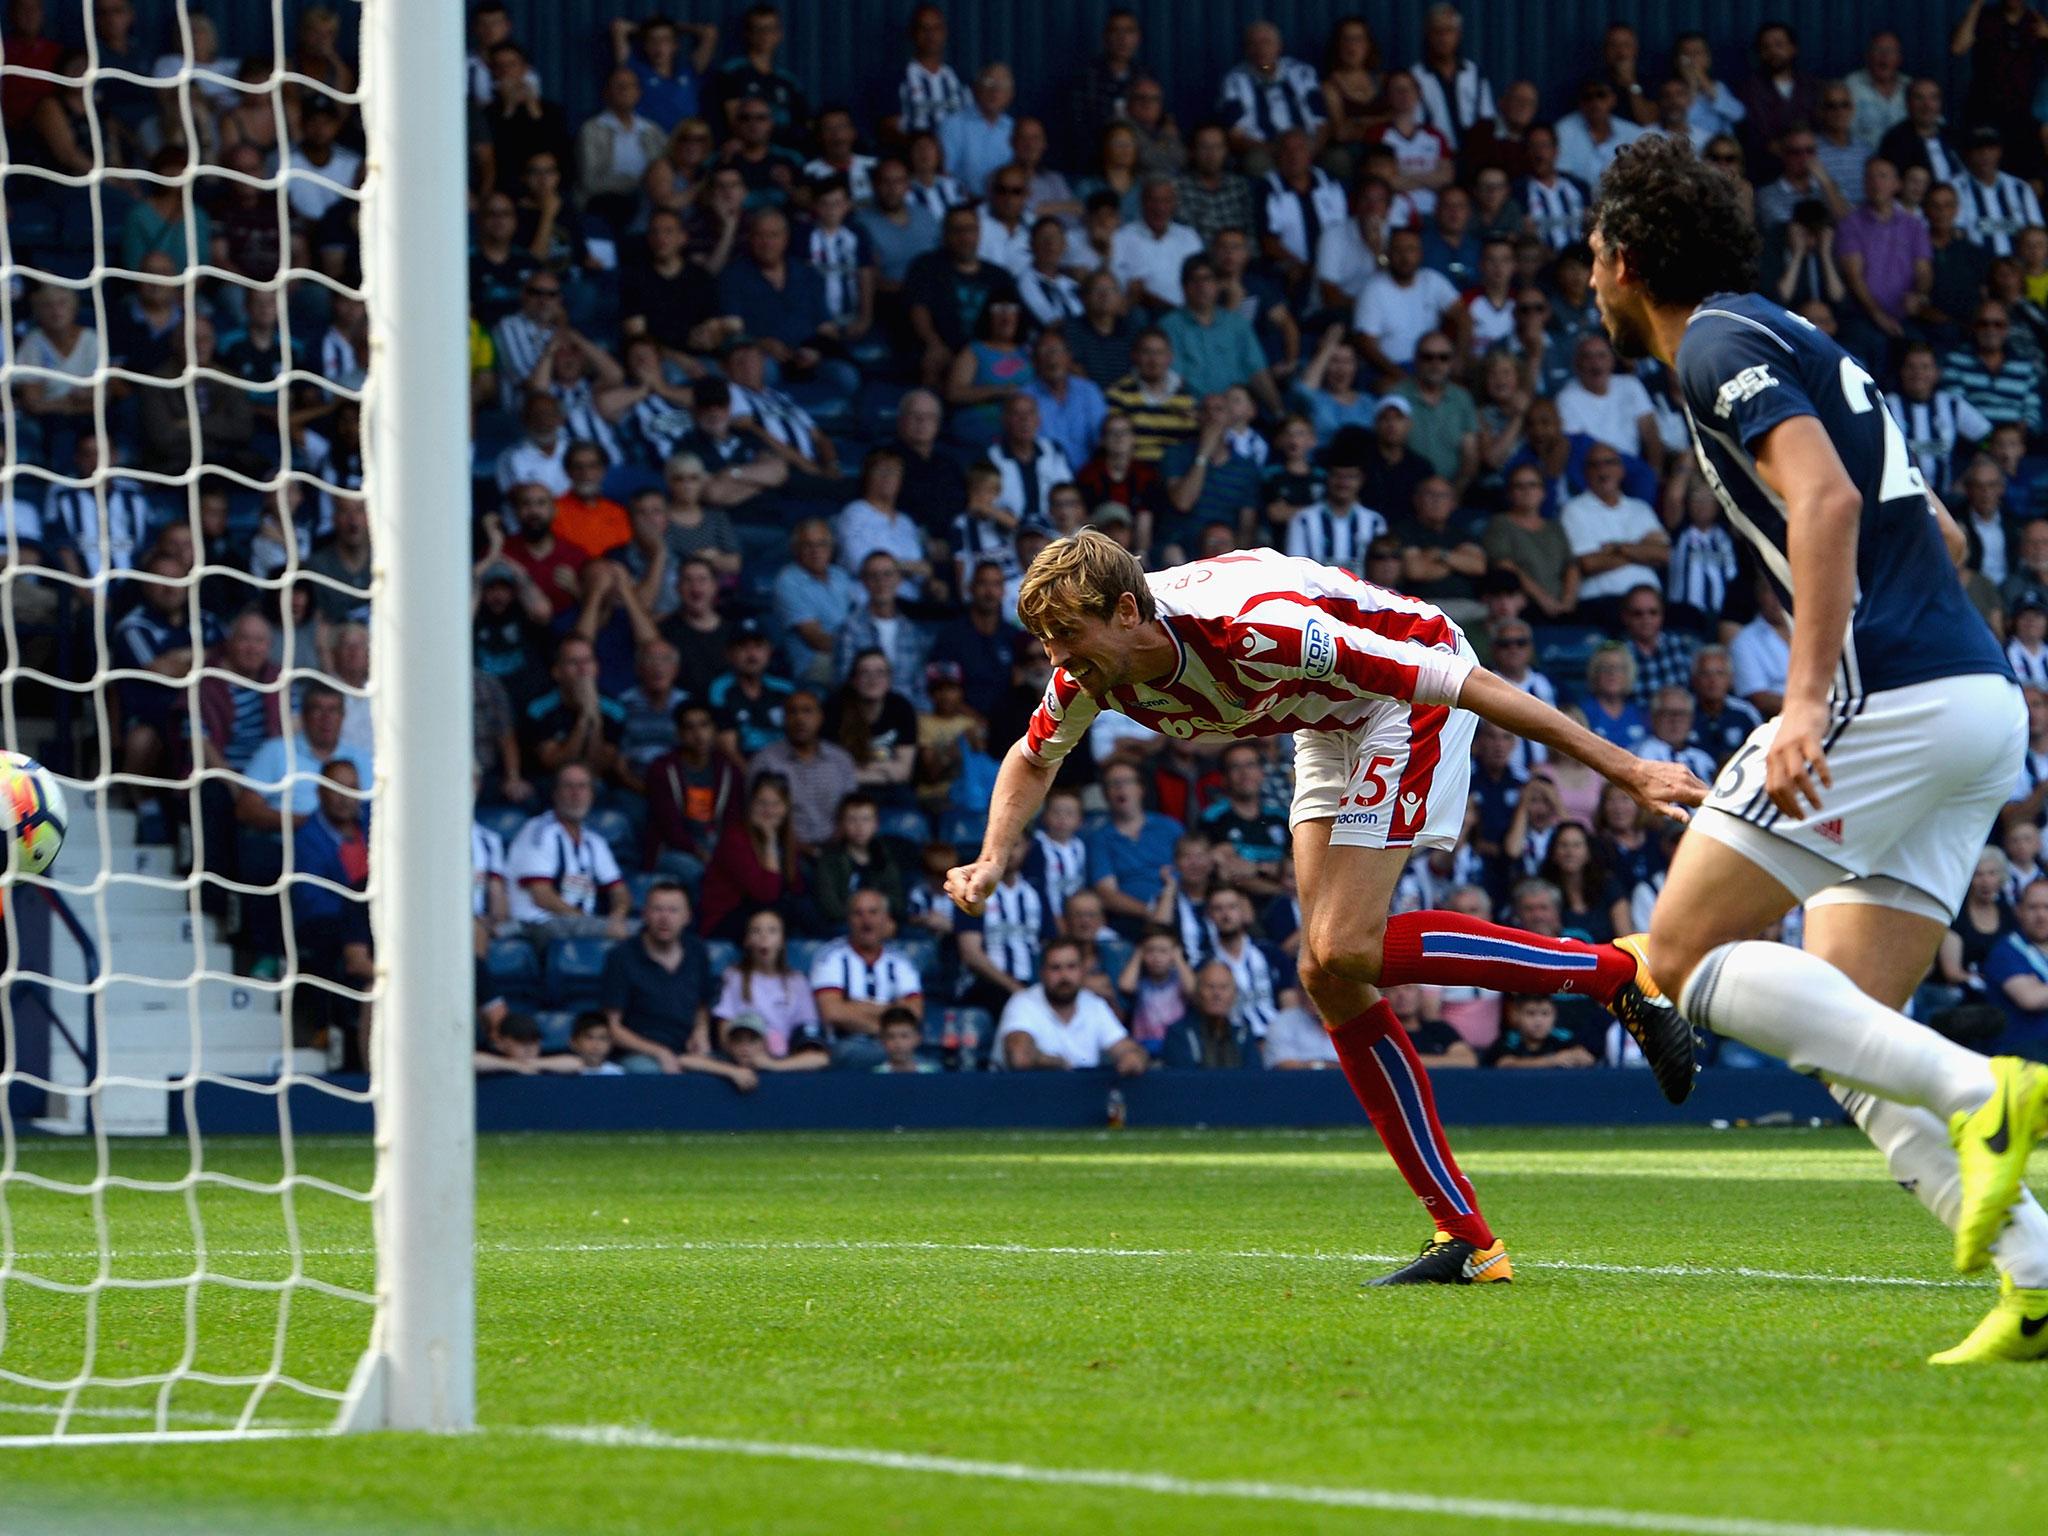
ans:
(1679, 220)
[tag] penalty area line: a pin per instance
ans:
(1383, 1500)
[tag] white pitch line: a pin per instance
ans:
(1388, 1501)
(1060, 1250)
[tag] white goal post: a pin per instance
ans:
(415, 1369)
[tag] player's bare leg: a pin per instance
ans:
(1345, 893)
(1886, 952)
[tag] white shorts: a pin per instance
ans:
(1920, 774)
(1398, 779)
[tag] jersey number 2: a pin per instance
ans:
(1902, 476)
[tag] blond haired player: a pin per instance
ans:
(1382, 694)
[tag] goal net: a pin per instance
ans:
(231, 269)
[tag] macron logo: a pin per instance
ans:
(1257, 644)
(1746, 385)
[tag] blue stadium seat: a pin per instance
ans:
(622, 482)
(963, 829)
(906, 824)
(555, 1025)
(922, 950)
(720, 956)
(514, 970)
(1113, 953)
(639, 884)
(803, 951)
(616, 828)
(505, 820)
(574, 968)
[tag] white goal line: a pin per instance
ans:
(1060, 1251)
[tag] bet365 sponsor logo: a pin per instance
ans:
(1746, 385)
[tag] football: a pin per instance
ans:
(32, 809)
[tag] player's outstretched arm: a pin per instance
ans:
(1666, 788)
(1021, 787)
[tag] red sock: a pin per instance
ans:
(1449, 949)
(1388, 1077)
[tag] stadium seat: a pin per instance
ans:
(906, 824)
(963, 829)
(514, 970)
(1113, 953)
(720, 956)
(639, 885)
(922, 950)
(555, 1026)
(616, 828)
(802, 952)
(505, 820)
(574, 969)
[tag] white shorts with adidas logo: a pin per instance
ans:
(1920, 774)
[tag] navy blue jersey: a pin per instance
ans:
(1745, 365)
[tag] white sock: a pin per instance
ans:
(1800, 1008)
(1916, 1149)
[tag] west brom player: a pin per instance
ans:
(1868, 798)
(1382, 694)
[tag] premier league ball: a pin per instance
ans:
(32, 811)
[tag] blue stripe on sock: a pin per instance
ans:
(1477, 946)
(1409, 1099)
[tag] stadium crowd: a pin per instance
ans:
(774, 401)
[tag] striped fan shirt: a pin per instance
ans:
(1452, 112)
(1329, 537)
(1556, 210)
(1269, 644)
(1702, 568)
(577, 864)
(1992, 215)
(75, 510)
(486, 863)
(886, 977)
(1257, 990)
(1266, 108)
(1933, 427)
(1011, 925)
(1062, 869)
(925, 98)
(2013, 393)
(1296, 217)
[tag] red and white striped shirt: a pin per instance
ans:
(1268, 644)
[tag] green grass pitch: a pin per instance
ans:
(1180, 1307)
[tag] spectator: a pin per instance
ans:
(1803, 183)
(1961, 268)
(1154, 399)
(1885, 256)
(818, 773)
(1703, 563)
(837, 160)
(1298, 202)
(856, 859)
(585, 518)
(1071, 408)
(1996, 205)
(930, 186)
(1215, 347)
(560, 867)
(755, 863)
(1258, 297)
(1096, 97)
(999, 947)
(1608, 407)
(670, 81)
(717, 217)
(879, 625)
(1555, 197)
(1992, 532)
(1439, 561)
(1985, 920)
(1436, 1044)
(1455, 97)
(1589, 138)
(930, 90)
(1045, 282)
(1110, 197)
(693, 793)
(1030, 465)
(1779, 95)
(762, 988)
(1445, 421)
(1214, 1033)
(981, 640)
(538, 460)
(976, 142)
(1337, 529)
(947, 291)
(1620, 57)
(1662, 659)
(656, 990)
(1937, 422)
(1147, 256)
(1265, 96)
(902, 1034)
(1158, 989)
(1671, 730)
(1532, 548)
(590, 1043)
(58, 345)
(877, 725)
(320, 172)
(1127, 851)
(747, 700)
(985, 529)
(1532, 1037)
(992, 367)
(1298, 1042)
(1264, 981)
(1292, 479)
(857, 978)
(2003, 43)
(1058, 1025)
(2013, 974)
(650, 709)
(1839, 153)
(1423, 158)
(573, 722)
(1616, 539)
(1402, 304)
(1393, 474)
(615, 148)
(1877, 90)
(782, 307)
(673, 300)
(697, 629)
(1212, 197)
(1921, 141)
(1160, 150)
(1998, 384)
(1761, 653)
(1005, 227)
(755, 76)
(1329, 391)
(898, 231)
